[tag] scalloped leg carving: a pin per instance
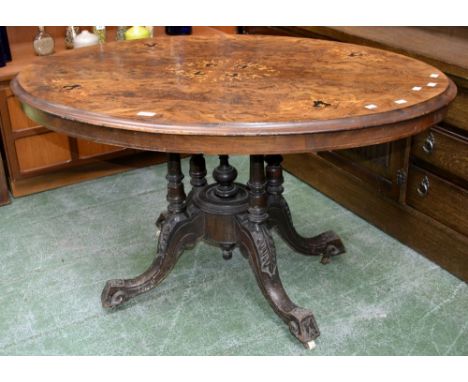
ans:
(256, 242)
(327, 244)
(178, 231)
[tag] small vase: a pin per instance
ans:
(43, 43)
(70, 36)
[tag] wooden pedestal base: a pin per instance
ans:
(230, 215)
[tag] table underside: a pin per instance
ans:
(229, 215)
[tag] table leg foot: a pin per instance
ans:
(327, 244)
(178, 231)
(311, 345)
(257, 243)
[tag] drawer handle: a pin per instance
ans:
(429, 144)
(423, 188)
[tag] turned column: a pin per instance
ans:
(225, 175)
(257, 191)
(274, 174)
(175, 188)
(197, 171)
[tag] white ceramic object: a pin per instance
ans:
(85, 38)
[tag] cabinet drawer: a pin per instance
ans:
(442, 150)
(438, 198)
(40, 151)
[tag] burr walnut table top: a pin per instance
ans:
(234, 94)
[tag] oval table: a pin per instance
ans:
(261, 96)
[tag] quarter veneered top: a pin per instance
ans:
(233, 85)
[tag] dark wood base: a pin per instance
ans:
(229, 215)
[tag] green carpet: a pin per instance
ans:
(58, 248)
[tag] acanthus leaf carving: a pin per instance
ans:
(265, 248)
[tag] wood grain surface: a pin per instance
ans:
(237, 93)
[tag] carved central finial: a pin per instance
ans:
(225, 175)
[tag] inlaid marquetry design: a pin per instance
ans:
(221, 70)
(231, 82)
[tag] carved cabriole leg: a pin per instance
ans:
(256, 243)
(326, 244)
(180, 228)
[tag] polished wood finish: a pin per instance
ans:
(89, 170)
(221, 82)
(457, 114)
(32, 151)
(228, 95)
(55, 150)
(380, 166)
(18, 120)
(444, 151)
(89, 149)
(369, 169)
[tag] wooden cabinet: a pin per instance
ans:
(381, 167)
(438, 198)
(416, 189)
(34, 152)
(444, 152)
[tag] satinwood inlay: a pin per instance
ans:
(232, 85)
